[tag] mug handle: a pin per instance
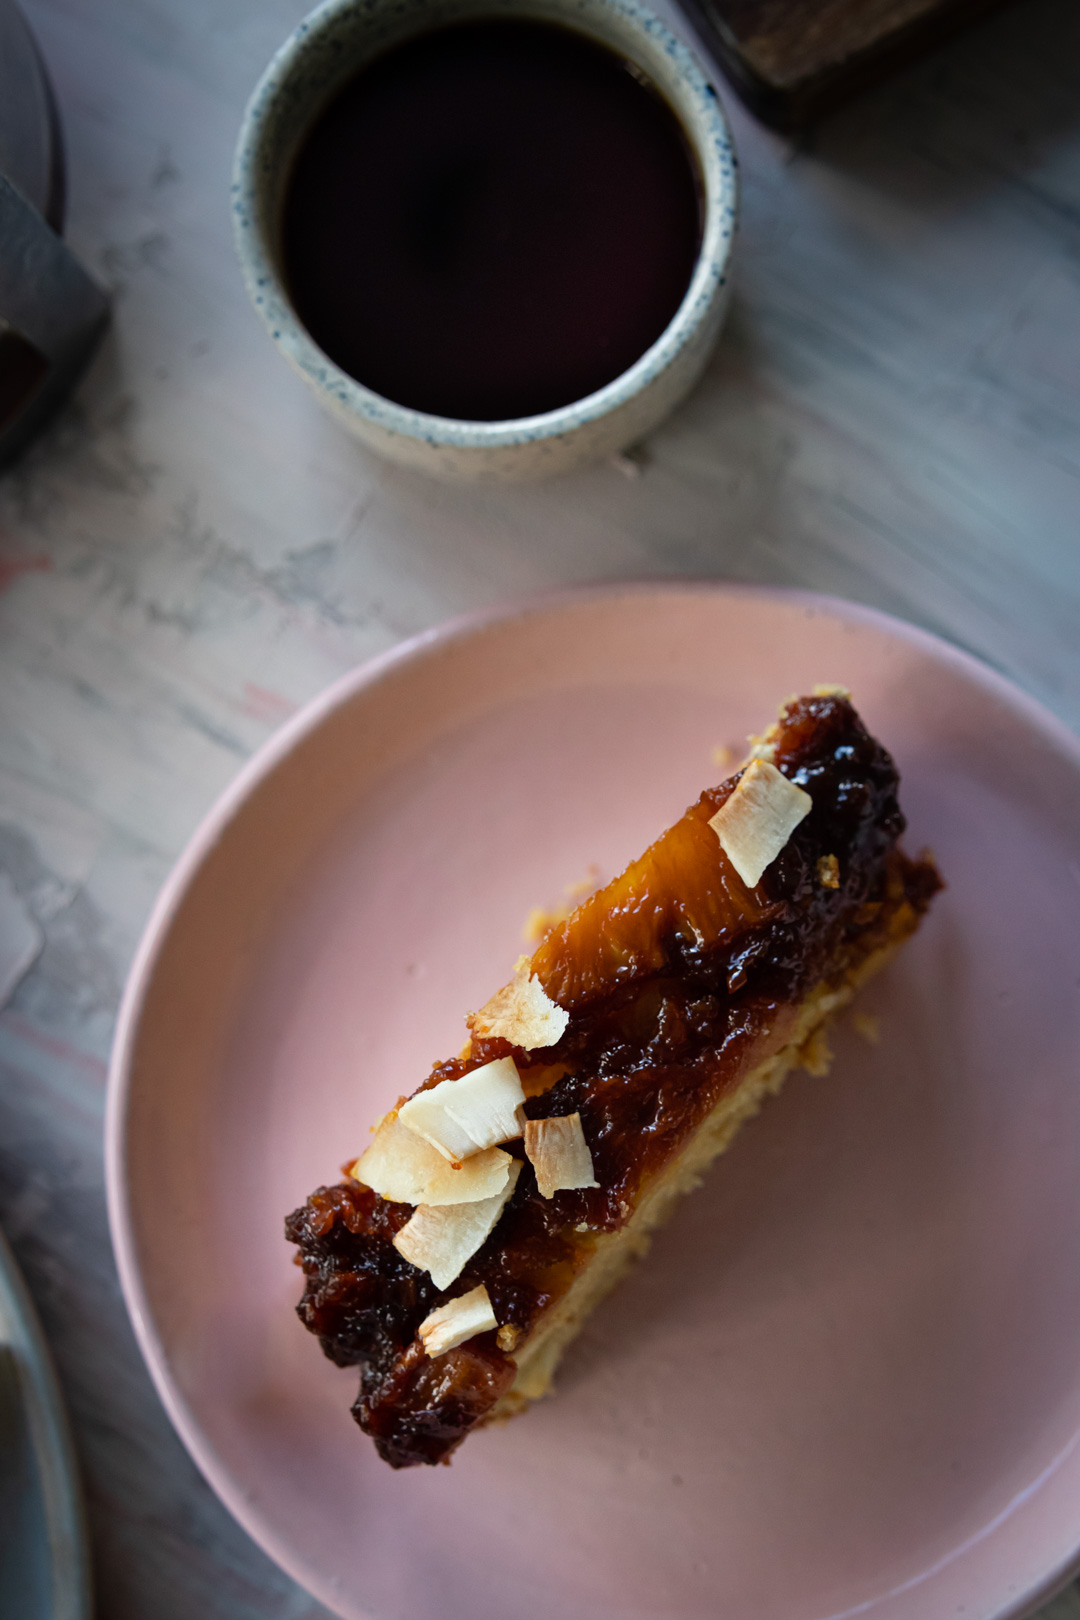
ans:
(51, 317)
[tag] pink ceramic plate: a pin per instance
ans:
(847, 1380)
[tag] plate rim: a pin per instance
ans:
(262, 763)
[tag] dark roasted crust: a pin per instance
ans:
(650, 1048)
(420, 1409)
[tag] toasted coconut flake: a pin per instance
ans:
(441, 1240)
(426, 1115)
(522, 1013)
(406, 1169)
(459, 1319)
(462, 1117)
(559, 1154)
(758, 819)
(486, 1102)
(868, 1026)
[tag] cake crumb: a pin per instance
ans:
(816, 1054)
(507, 1336)
(763, 746)
(631, 462)
(542, 919)
(722, 755)
(540, 922)
(585, 885)
(828, 872)
(831, 689)
(868, 1026)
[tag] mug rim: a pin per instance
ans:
(711, 142)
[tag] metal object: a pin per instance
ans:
(44, 1558)
(52, 314)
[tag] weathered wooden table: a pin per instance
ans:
(893, 414)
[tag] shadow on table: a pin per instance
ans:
(982, 111)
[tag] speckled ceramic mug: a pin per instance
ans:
(337, 39)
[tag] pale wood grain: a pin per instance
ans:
(893, 414)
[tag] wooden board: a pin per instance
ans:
(793, 60)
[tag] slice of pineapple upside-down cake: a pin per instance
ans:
(495, 1206)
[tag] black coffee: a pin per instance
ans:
(491, 221)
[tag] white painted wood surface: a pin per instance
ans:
(893, 415)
